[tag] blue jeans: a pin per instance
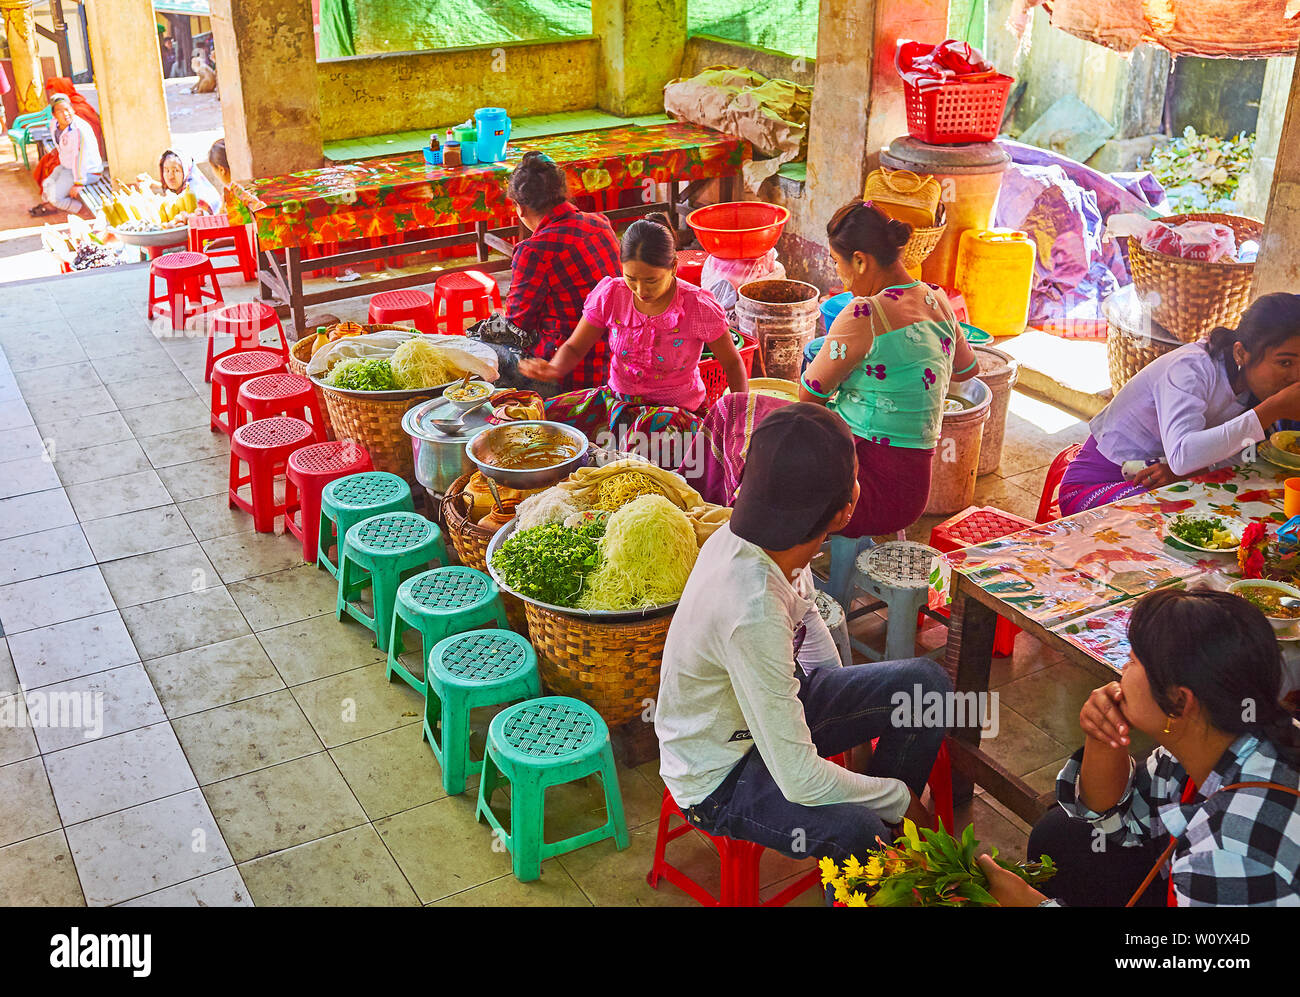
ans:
(844, 707)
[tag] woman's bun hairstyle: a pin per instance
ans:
(898, 233)
(651, 240)
(537, 184)
(861, 227)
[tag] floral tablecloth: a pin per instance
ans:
(378, 197)
(1078, 576)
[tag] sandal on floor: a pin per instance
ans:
(42, 209)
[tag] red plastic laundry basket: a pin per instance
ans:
(715, 377)
(966, 110)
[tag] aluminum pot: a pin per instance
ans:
(440, 457)
(488, 445)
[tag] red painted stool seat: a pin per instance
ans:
(280, 394)
(228, 375)
(204, 229)
(265, 446)
(246, 322)
(407, 305)
(190, 286)
(1049, 505)
(465, 294)
(690, 265)
(310, 470)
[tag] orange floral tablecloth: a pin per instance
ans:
(378, 197)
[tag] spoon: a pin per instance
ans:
(1288, 602)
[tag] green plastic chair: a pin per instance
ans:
(21, 128)
(542, 743)
(347, 501)
(379, 553)
(480, 668)
(440, 603)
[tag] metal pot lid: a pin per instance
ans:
(418, 421)
(907, 153)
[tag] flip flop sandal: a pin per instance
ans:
(42, 209)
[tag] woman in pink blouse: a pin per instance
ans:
(657, 327)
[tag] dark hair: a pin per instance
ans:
(162, 160)
(217, 155)
(537, 184)
(861, 227)
(651, 240)
(1222, 648)
(1270, 321)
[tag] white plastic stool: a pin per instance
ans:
(898, 574)
(832, 614)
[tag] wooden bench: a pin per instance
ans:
(95, 195)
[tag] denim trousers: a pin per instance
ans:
(844, 707)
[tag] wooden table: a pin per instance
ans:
(378, 200)
(1072, 584)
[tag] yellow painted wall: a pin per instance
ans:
(370, 95)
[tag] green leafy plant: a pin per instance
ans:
(550, 563)
(364, 374)
(1201, 172)
(925, 868)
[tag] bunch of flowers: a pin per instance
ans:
(924, 869)
(1260, 556)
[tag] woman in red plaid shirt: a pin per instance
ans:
(554, 270)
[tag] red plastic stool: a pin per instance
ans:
(245, 321)
(976, 525)
(1049, 506)
(191, 286)
(464, 294)
(391, 307)
(209, 228)
(690, 265)
(958, 303)
(279, 394)
(310, 470)
(265, 446)
(228, 375)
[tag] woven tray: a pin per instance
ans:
(1191, 297)
(470, 542)
(613, 667)
(300, 353)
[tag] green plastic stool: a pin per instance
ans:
(480, 668)
(440, 603)
(347, 501)
(380, 552)
(541, 743)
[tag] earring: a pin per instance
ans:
(1168, 720)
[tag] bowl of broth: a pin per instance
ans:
(530, 454)
(1266, 595)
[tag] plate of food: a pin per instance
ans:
(1282, 449)
(1267, 596)
(1206, 532)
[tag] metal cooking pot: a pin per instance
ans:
(489, 446)
(440, 457)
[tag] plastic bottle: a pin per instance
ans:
(434, 144)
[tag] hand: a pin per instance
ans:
(1284, 404)
(75, 190)
(1155, 476)
(538, 369)
(1008, 889)
(1102, 717)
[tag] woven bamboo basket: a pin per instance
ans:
(923, 242)
(300, 353)
(1191, 297)
(1128, 352)
(613, 667)
(470, 542)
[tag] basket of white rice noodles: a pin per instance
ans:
(600, 561)
(370, 381)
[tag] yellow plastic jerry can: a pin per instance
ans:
(995, 274)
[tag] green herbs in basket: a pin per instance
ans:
(550, 563)
(363, 374)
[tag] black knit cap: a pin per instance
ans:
(800, 463)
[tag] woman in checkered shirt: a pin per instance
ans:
(1203, 682)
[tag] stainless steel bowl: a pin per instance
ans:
(489, 446)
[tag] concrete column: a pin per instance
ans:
(1252, 195)
(270, 97)
(20, 32)
(1278, 268)
(642, 43)
(128, 81)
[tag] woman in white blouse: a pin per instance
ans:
(79, 162)
(1196, 407)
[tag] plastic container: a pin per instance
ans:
(451, 154)
(782, 316)
(957, 110)
(715, 377)
(493, 134)
(432, 157)
(831, 307)
(468, 154)
(956, 458)
(810, 353)
(969, 176)
(738, 230)
(902, 194)
(995, 271)
(999, 371)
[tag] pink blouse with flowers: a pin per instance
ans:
(656, 357)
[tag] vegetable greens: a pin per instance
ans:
(550, 563)
(364, 374)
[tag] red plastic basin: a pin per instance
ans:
(738, 230)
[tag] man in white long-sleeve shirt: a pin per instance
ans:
(752, 698)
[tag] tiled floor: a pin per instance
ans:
(249, 749)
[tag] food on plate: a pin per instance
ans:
(1268, 599)
(363, 374)
(645, 556)
(467, 393)
(550, 563)
(1209, 533)
(618, 490)
(417, 363)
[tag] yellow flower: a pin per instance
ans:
(894, 866)
(875, 869)
(829, 870)
(857, 900)
(842, 891)
(852, 868)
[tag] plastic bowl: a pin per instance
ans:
(831, 307)
(1280, 624)
(738, 230)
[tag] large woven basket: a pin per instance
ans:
(923, 242)
(470, 542)
(376, 423)
(300, 353)
(613, 667)
(1191, 297)
(1127, 352)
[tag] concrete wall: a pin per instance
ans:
(1278, 268)
(641, 46)
(1252, 195)
(370, 95)
(703, 51)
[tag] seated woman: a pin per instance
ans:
(1196, 407)
(885, 367)
(178, 174)
(1203, 682)
(552, 273)
(657, 327)
(79, 162)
